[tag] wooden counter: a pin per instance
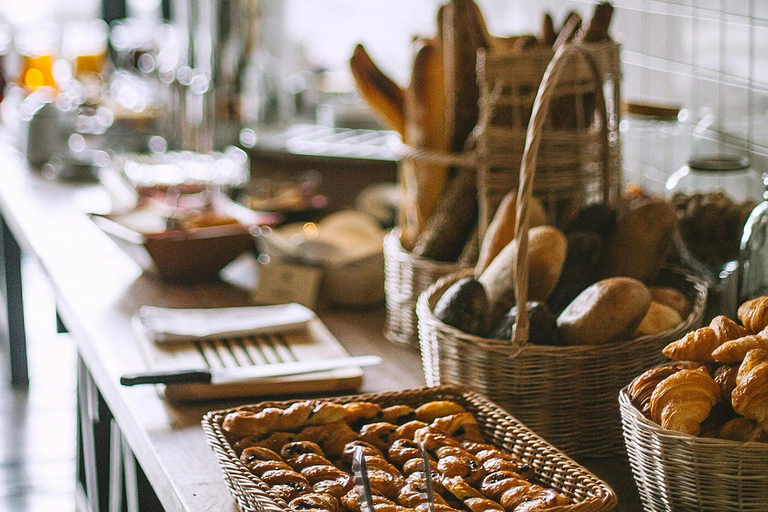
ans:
(98, 289)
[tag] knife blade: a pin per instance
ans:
(246, 373)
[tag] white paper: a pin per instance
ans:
(165, 325)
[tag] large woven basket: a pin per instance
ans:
(586, 492)
(675, 471)
(569, 171)
(567, 394)
(405, 277)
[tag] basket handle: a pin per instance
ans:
(528, 168)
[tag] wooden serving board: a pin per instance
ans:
(316, 342)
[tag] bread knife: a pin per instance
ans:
(246, 373)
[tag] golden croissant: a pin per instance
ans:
(742, 429)
(699, 344)
(734, 351)
(683, 400)
(642, 388)
(750, 397)
(754, 314)
(725, 376)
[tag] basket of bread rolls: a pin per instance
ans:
(552, 323)
(696, 428)
(462, 121)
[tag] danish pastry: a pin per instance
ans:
(432, 410)
(315, 501)
(295, 416)
(683, 400)
(406, 430)
(398, 414)
(351, 447)
(380, 434)
(360, 412)
(461, 426)
(403, 450)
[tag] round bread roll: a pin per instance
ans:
(607, 311)
(672, 298)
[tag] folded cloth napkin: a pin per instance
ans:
(165, 325)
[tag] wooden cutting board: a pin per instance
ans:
(316, 342)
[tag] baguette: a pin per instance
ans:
(548, 35)
(463, 34)
(598, 25)
(384, 96)
(425, 128)
(451, 224)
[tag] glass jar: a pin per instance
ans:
(714, 197)
(655, 142)
(753, 257)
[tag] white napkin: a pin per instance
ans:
(165, 325)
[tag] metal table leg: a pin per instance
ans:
(17, 338)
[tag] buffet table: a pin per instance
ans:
(131, 440)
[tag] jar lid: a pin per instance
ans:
(719, 163)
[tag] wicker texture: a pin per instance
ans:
(569, 170)
(675, 471)
(405, 277)
(586, 492)
(567, 394)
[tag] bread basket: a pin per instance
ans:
(567, 394)
(586, 492)
(675, 471)
(406, 276)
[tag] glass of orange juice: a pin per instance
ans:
(85, 46)
(38, 48)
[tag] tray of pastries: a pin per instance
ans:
(297, 455)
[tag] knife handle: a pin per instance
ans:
(171, 377)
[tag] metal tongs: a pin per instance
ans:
(428, 487)
(362, 483)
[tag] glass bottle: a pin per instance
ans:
(753, 257)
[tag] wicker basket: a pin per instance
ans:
(675, 471)
(568, 170)
(405, 277)
(553, 468)
(567, 394)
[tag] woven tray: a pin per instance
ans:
(553, 468)
(675, 471)
(405, 277)
(566, 394)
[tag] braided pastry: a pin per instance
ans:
(754, 314)
(325, 412)
(275, 441)
(750, 397)
(734, 351)
(295, 416)
(249, 423)
(683, 400)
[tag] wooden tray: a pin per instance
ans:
(315, 343)
(553, 468)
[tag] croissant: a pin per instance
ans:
(742, 429)
(683, 400)
(754, 314)
(734, 351)
(750, 398)
(699, 344)
(642, 388)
